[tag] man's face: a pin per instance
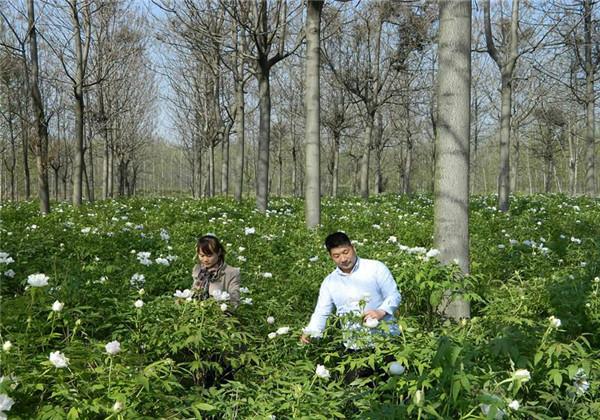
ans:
(344, 257)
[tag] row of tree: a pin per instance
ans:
(234, 75)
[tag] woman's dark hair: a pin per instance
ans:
(337, 239)
(210, 245)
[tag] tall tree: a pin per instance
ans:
(312, 191)
(506, 64)
(590, 64)
(41, 140)
(451, 202)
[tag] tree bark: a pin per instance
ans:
(590, 70)
(312, 191)
(264, 136)
(41, 143)
(451, 203)
(506, 66)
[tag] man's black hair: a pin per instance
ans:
(337, 239)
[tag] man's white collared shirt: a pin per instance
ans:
(370, 282)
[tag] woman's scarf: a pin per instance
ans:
(205, 277)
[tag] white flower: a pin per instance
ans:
(575, 240)
(513, 242)
(187, 293)
(283, 330)
(244, 290)
(241, 258)
(555, 322)
(272, 335)
(223, 307)
(371, 322)
(270, 320)
(86, 230)
(249, 230)
(220, 295)
(247, 301)
(6, 346)
(514, 405)
(392, 240)
(37, 280)
(376, 226)
(580, 382)
(432, 253)
(141, 292)
(267, 275)
(162, 261)
(58, 359)
(5, 405)
(322, 372)
(138, 303)
(57, 306)
(313, 259)
(241, 249)
(521, 374)
(164, 235)
(10, 273)
(5, 258)
(137, 279)
(117, 406)
(396, 368)
(102, 279)
(113, 347)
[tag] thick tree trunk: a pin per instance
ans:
(312, 191)
(264, 136)
(451, 203)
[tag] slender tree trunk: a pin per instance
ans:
(41, 142)
(264, 136)
(25, 149)
(364, 163)
(336, 164)
(507, 66)
(590, 164)
(312, 139)
(514, 180)
(451, 203)
(406, 189)
(280, 167)
(211, 169)
(225, 161)
(572, 160)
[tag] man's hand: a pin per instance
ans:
(374, 313)
(305, 339)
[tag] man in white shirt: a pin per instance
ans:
(357, 286)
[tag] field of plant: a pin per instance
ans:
(95, 322)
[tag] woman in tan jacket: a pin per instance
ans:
(212, 276)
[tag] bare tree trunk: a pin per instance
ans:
(81, 53)
(264, 136)
(590, 69)
(572, 160)
(451, 203)
(514, 181)
(25, 147)
(41, 142)
(406, 189)
(225, 161)
(312, 191)
(211, 169)
(364, 163)
(336, 164)
(280, 166)
(507, 67)
(90, 175)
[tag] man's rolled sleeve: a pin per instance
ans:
(323, 309)
(389, 290)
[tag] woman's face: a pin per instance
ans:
(207, 261)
